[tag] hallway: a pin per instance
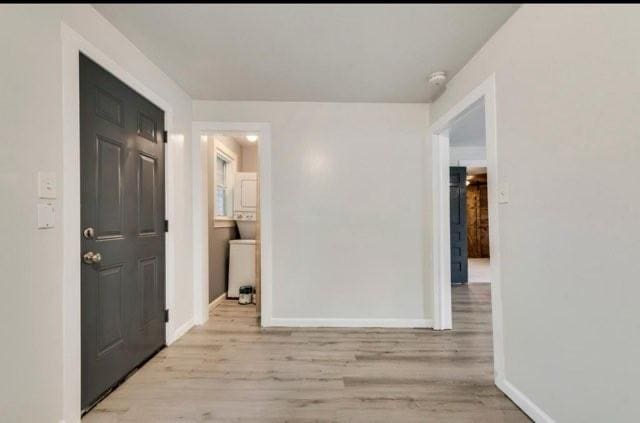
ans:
(230, 370)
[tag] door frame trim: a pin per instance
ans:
(441, 254)
(72, 45)
(200, 215)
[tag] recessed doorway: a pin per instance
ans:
(443, 158)
(122, 236)
(232, 211)
(233, 216)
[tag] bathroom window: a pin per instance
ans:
(221, 175)
(223, 191)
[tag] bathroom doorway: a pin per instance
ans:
(232, 215)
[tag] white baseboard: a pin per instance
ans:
(215, 303)
(350, 323)
(521, 400)
(177, 334)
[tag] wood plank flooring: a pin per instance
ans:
(230, 370)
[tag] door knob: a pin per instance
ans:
(91, 257)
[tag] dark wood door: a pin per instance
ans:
(458, 223)
(122, 233)
(477, 219)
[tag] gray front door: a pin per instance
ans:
(122, 229)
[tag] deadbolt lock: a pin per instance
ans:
(88, 233)
(91, 257)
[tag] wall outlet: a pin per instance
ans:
(46, 215)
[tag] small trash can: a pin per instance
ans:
(245, 294)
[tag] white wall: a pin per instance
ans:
(567, 92)
(31, 307)
(466, 153)
(346, 206)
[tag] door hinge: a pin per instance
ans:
(166, 226)
(166, 136)
(166, 315)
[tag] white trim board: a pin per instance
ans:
(183, 329)
(524, 402)
(72, 45)
(201, 215)
(351, 323)
(216, 302)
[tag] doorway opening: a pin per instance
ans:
(479, 255)
(469, 205)
(469, 244)
(233, 217)
(446, 193)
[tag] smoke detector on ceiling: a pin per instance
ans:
(438, 79)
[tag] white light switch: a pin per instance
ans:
(503, 193)
(46, 215)
(47, 185)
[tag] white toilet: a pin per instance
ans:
(242, 252)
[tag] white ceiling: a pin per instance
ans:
(305, 52)
(468, 129)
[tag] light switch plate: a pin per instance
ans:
(503, 193)
(46, 215)
(47, 185)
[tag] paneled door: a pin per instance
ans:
(122, 230)
(477, 220)
(458, 222)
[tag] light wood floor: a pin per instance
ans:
(230, 370)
